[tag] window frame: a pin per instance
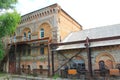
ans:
(42, 33)
(42, 52)
(25, 36)
(29, 35)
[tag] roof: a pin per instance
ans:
(49, 7)
(93, 33)
(53, 5)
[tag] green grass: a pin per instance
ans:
(56, 76)
(2, 74)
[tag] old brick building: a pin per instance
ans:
(28, 47)
(94, 51)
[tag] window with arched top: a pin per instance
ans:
(101, 65)
(24, 36)
(14, 37)
(29, 35)
(41, 33)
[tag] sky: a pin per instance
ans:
(88, 13)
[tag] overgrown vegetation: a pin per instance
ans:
(56, 76)
(8, 21)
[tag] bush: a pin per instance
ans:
(56, 76)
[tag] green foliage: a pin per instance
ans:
(1, 50)
(56, 76)
(8, 23)
(6, 4)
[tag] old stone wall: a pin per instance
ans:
(110, 55)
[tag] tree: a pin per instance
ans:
(8, 21)
(7, 4)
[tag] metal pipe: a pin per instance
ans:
(89, 58)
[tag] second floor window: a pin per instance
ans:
(41, 33)
(24, 36)
(29, 35)
(14, 38)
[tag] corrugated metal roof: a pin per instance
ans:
(94, 33)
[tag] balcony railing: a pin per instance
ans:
(18, 39)
(41, 58)
(21, 39)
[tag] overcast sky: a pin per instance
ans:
(89, 13)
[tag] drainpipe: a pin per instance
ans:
(87, 44)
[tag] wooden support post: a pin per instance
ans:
(89, 58)
(52, 57)
(19, 59)
(15, 58)
(48, 60)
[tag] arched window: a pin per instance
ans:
(29, 35)
(101, 65)
(41, 33)
(14, 38)
(24, 36)
(40, 66)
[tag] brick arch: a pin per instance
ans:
(47, 29)
(79, 58)
(45, 22)
(105, 54)
(107, 58)
(26, 29)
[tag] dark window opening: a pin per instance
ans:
(101, 65)
(22, 68)
(42, 49)
(29, 35)
(28, 66)
(41, 67)
(28, 50)
(24, 36)
(24, 52)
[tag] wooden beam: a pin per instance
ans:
(48, 60)
(87, 44)
(69, 60)
(83, 41)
